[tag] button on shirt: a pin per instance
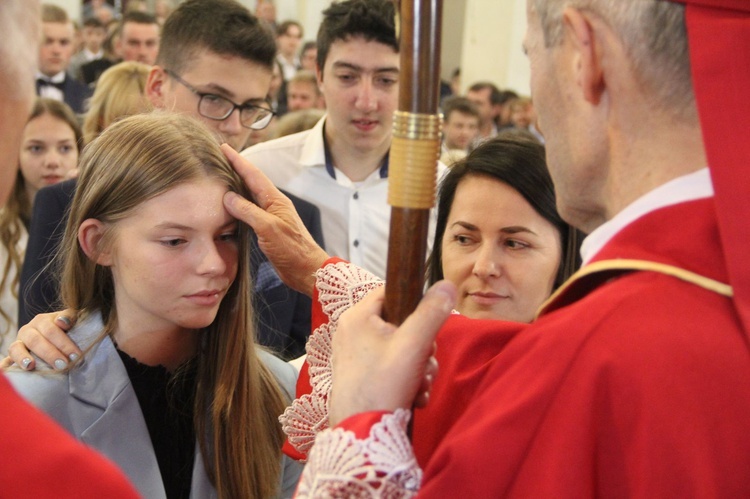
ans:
(355, 215)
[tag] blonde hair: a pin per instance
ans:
(237, 399)
(297, 121)
(119, 92)
(16, 214)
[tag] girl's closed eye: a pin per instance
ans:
(173, 242)
(229, 236)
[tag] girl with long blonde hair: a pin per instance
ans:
(155, 267)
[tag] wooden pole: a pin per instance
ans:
(414, 154)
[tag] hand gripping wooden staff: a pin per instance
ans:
(414, 154)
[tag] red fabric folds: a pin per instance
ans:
(719, 38)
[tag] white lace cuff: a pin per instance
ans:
(382, 465)
(340, 286)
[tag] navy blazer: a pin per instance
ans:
(283, 315)
(96, 403)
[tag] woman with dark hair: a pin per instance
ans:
(500, 240)
(498, 236)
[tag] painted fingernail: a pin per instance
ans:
(25, 362)
(73, 357)
(60, 364)
(64, 319)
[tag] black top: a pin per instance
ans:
(167, 405)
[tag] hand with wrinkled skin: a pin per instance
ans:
(46, 336)
(380, 367)
(281, 234)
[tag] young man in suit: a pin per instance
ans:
(52, 79)
(211, 53)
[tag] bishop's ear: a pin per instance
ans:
(585, 35)
(91, 239)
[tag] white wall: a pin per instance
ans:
(307, 12)
(492, 40)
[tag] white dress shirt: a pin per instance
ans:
(355, 215)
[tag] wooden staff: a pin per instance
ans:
(414, 154)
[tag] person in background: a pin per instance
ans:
(460, 128)
(277, 90)
(504, 118)
(136, 39)
(288, 39)
(41, 448)
(488, 99)
(93, 34)
(52, 79)
(265, 10)
(302, 92)
(139, 38)
(50, 145)
(523, 116)
(120, 92)
(100, 9)
(308, 55)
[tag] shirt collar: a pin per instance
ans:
(58, 78)
(315, 152)
(689, 187)
(382, 171)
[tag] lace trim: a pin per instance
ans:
(382, 465)
(340, 286)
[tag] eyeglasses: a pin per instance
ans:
(216, 107)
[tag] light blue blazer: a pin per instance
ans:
(97, 404)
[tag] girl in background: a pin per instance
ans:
(50, 146)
